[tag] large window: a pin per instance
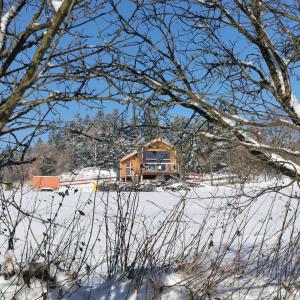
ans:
(156, 155)
(157, 160)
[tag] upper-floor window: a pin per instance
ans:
(157, 157)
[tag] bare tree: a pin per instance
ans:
(236, 64)
(50, 51)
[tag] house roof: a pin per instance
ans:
(158, 140)
(146, 145)
(129, 155)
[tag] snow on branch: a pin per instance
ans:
(261, 151)
(5, 19)
(285, 163)
(56, 4)
(278, 72)
(295, 104)
(264, 153)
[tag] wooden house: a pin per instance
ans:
(156, 158)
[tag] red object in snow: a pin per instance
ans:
(39, 182)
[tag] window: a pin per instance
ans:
(157, 160)
(156, 155)
(128, 168)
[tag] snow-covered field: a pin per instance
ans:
(214, 241)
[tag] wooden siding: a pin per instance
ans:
(135, 166)
(160, 145)
(136, 160)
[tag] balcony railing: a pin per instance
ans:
(156, 167)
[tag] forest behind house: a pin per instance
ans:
(102, 140)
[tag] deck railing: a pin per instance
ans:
(156, 167)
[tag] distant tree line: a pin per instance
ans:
(102, 140)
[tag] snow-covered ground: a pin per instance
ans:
(242, 243)
(88, 173)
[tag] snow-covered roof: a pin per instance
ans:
(158, 140)
(129, 155)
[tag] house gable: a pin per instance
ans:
(160, 144)
(128, 156)
(142, 163)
